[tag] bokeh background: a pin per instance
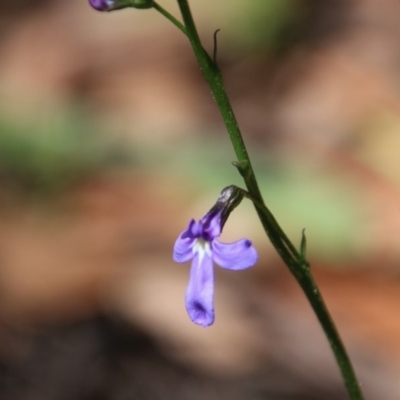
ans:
(110, 143)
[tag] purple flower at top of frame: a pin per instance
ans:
(103, 5)
(111, 5)
(199, 243)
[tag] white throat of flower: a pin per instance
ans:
(202, 247)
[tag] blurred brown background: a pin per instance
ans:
(110, 143)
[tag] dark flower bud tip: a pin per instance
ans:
(230, 198)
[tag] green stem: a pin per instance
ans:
(294, 259)
(169, 16)
(314, 296)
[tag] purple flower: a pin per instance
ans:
(103, 5)
(110, 5)
(199, 243)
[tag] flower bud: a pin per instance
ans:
(111, 5)
(103, 5)
(229, 198)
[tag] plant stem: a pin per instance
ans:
(314, 296)
(169, 16)
(294, 260)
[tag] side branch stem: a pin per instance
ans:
(169, 16)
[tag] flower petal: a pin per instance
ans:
(183, 248)
(234, 256)
(200, 290)
(211, 226)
